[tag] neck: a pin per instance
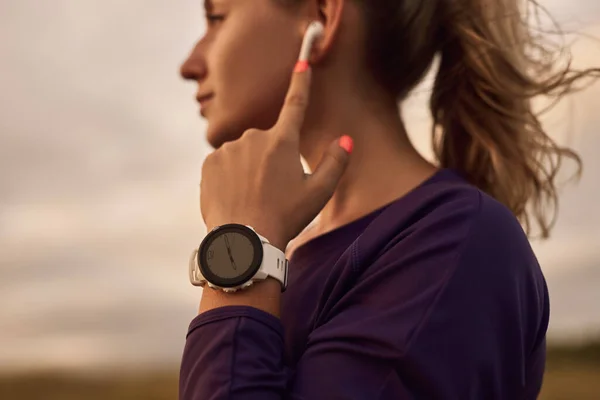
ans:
(383, 166)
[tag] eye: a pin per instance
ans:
(213, 19)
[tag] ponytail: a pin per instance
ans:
(484, 126)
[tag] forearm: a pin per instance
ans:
(233, 353)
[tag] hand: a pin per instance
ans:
(258, 180)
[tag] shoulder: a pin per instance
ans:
(450, 235)
(477, 230)
(447, 218)
(451, 258)
(448, 258)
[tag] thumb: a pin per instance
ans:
(331, 169)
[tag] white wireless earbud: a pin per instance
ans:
(313, 32)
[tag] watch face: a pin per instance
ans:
(230, 255)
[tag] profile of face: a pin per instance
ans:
(243, 65)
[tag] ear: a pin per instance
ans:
(329, 13)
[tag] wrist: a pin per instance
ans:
(263, 295)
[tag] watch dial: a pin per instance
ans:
(230, 255)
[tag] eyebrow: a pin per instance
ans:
(208, 5)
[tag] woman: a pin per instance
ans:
(416, 280)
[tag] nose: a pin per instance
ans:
(194, 67)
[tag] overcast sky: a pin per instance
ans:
(100, 153)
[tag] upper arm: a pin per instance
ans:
(357, 346)
(450, 311)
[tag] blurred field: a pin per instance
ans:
(572, 373)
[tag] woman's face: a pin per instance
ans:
(243, 65)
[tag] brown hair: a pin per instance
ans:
(491, 65)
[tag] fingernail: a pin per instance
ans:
(301, 66)
(347, 143)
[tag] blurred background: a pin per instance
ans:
(101, 147)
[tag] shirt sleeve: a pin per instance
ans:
(233, 352)
(451, 311)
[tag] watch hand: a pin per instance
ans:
(229, 252)
(232, 262)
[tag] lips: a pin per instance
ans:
(204, 98)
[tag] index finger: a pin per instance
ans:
(294, 108)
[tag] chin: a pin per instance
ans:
(223, 130)
(217, 134)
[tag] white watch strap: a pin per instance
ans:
(274, 264)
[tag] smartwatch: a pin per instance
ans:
(233, 257)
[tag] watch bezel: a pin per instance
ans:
(241, 279)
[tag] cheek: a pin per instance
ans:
(248, 96)
(253, 61)
(266, 93)
(253, 81)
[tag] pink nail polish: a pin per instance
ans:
(301, 66)
(347, 143)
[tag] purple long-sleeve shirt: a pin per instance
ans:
(437, 295)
